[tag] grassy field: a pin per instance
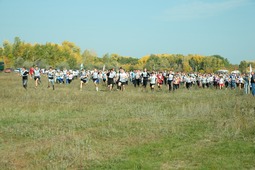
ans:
(72, 129)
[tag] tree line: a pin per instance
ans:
(69, 55)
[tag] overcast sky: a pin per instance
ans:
(136, 27)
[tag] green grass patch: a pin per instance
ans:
(71, 129)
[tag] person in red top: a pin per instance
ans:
(31, 72)
(160, 80)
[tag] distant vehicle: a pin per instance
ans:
(8, 70)
(1, 65)
(222, 72)
(17, 70)
(235, 72)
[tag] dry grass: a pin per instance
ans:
(71, 129)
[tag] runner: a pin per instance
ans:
(253, 83)
(153, 79)
(160, 80)
(246, 83)
(240, 82)
(51, 75)
(131, 76)
(84, 78)
(198, 80)
(137, 78)
(31, 72)
(59, 77)
(118, 79)
(227, 79)
(216, 81)
(176, 82)
(104, 77)
(24, 74)
(233, 81)
(65, 75)
(165, 77)
(111, 75)
(37, 76)
(69, 77)
(204, 81)
(145, 75)
(128, 76)
(221, 82)
(122, 79)
(188, 82)
(95, 77)
(170, 80)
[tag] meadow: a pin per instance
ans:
(72, 129)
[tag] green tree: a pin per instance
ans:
(72, 63)
(42, 63)
(62, 65)
(1, 54)
(88, 58)
(16, 50)
(7, 53)
(153, 63)
(28, 64)
(19, 62)
(224, 60)
(243, 66)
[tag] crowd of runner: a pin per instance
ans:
(139, 78)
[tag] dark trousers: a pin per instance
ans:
(137, 82)
(169, 82)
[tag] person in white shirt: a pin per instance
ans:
(65, 75)
(204, 80)
(137, 78)
(153, 81)
(51, 75)
(104, 77)
(61, 77)
(122, 79)
(24, 74)
(165, 77)
(170, 80)
(188, 82)
(111, 75)
(145, 75)
(241, 82)
(69, 77)
(37, 76)
(84, 78)
(95, 78)
(221, 82)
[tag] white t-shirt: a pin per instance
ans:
(123, 77)
(188, 80)
(153, 79)
(221, 81)
(112, 74)
(95, 75)
(170, 77)
(37, 73)
(51, 74)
